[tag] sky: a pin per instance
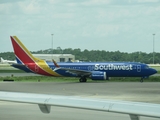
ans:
(110, 25)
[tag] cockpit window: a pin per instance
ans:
(146, 67)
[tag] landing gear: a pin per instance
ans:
(107, 78)
(82, 79)
(141, 80)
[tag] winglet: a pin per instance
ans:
(55, 63)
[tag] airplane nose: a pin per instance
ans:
(153, 71)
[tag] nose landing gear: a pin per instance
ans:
(142, 79)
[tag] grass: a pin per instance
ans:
(135, 79)
(21, 71)
(39, 79)
(11, 71)
(73, 79)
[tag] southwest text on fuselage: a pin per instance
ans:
(113, 67)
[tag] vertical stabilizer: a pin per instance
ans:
(23, 55)
(2, 60)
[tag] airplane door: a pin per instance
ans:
(36, 68)
(138, 68)
(91, 68)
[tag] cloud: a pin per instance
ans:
(147, 1)
(95, 2)
(5, 8)
(79, 21)
(30, 7)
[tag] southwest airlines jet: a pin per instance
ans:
(93, 70)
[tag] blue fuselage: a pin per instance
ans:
(110, 69)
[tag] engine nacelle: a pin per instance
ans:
(98, 75)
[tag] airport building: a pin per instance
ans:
(56, 57)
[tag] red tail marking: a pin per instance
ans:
(20, 53)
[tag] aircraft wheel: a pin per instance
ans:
(107, 78)
(82, 79)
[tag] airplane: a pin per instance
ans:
(7, 61)
(93, 70)
(44, 101)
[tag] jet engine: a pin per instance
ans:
(99, 75)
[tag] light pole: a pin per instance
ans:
(153, 47)
(52, 46)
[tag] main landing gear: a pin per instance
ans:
(82, 79)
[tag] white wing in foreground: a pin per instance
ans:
(134, 109)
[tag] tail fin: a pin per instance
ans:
(23, 55)
(2, 60)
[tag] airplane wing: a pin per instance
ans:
(75, 71)
(134, 109)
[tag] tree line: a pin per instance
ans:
(96, 55)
